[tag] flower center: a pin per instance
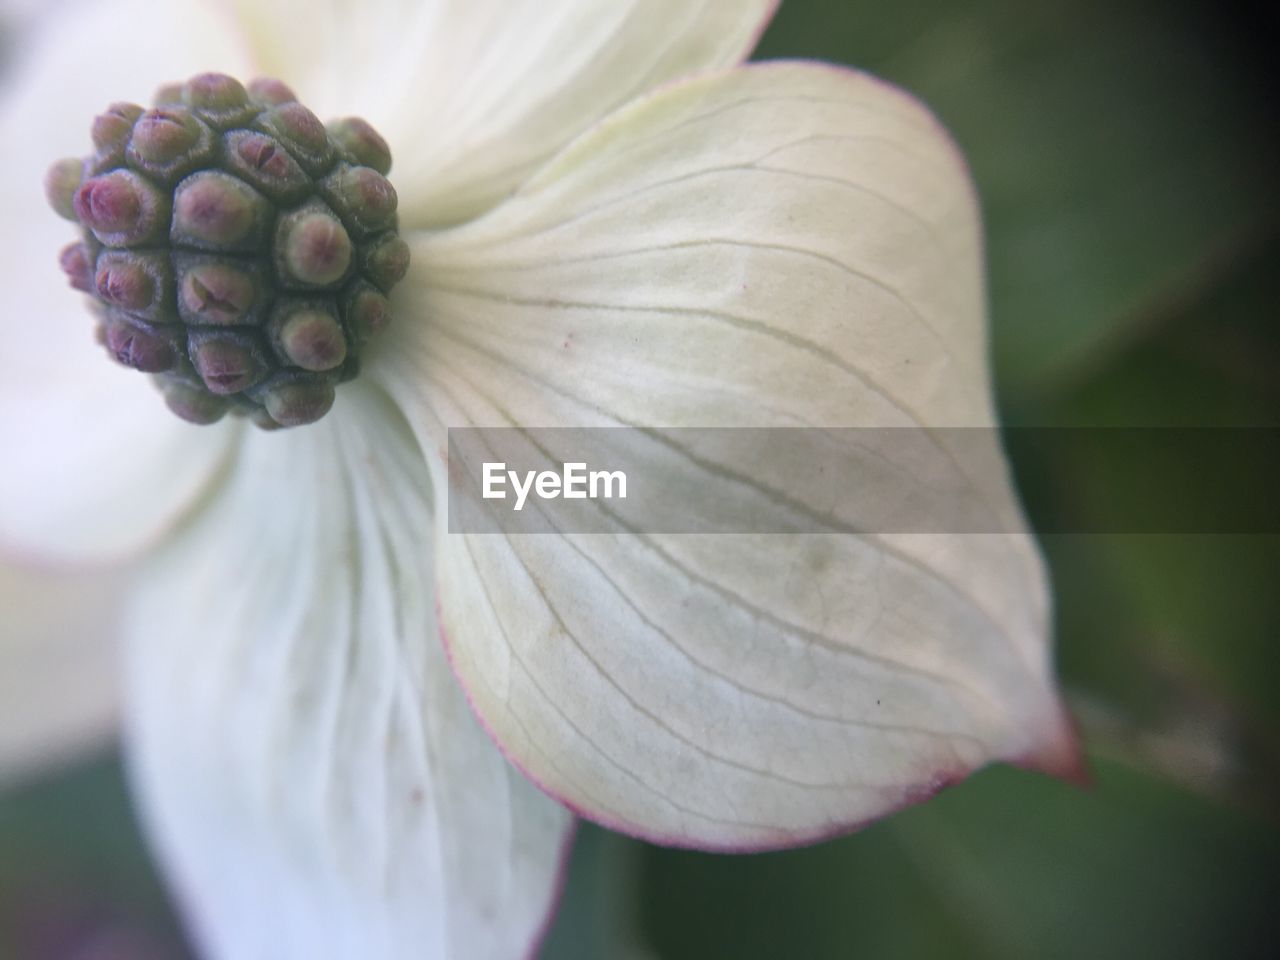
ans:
(235, 247)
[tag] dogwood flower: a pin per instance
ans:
(612, 222)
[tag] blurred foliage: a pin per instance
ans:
(75, 879)
(1123, 154)
(1126, 153)
(1007, 866)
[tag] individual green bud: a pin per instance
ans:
(77, 264)
(362, 197)
(213, 210)
(219, 100)
(169, 142)
(263, 162)
(122, 282)
(61, 181)
(363, 142)
(110, 132)
(122, 209)
(191, 402)
(385, 260)
(269, 91)
(163, 133)
(138, 346)
(312, 247)
(293, 402)
(169, 94)
(112, 127)
(307, 334)
(136, 282)
(302, 134)
(227, 362)
(218, 292)
(366, 310)
(110, 203)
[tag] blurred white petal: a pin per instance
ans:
(783, 245)
(59, 692)
(95, 466)
(305, 759)
(474, 94)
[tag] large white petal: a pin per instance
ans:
(94, 464)
(474, 94)
(59, 693)
(308, 766)
(783, 245)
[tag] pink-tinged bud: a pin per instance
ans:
(170, 94)
(233, 246)
(168, 142)
(314, 248)
(309, 337)
(138, 348)
(61, 182)
(219, 100)
(78, 266)
(362, 197)
(163, 133)
(111, 130)
(217, 293)
(192, 403)
(299, 402)
(123, 283)
(386, 261)
(121, 208)
(363, 142)
(215, 211)
(227, 363)
(262, 161)
(270, 91)
(137, 282)
(109, 203)
(302, 133)
(368, 313)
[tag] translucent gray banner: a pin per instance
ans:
(855, 480)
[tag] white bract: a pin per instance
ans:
(612, 224)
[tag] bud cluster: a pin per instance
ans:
(235, 247)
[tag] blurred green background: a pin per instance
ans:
(1126, 153)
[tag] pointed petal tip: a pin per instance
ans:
(1060, 755)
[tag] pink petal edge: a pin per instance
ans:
(1063, 759)
(557, 891)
